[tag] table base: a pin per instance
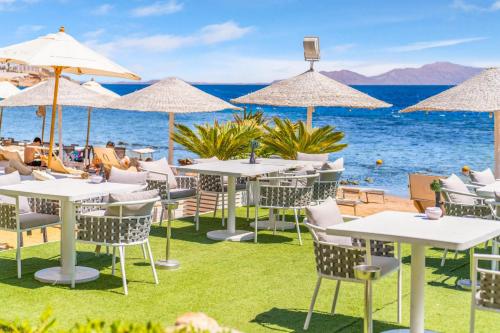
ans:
(167, 264)
(54, 275)
(237, 236)
(268, 225)
(405, 330)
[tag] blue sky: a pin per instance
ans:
(260, 40)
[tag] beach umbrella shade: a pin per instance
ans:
(7, 89)
(311, 89)
(171, 95)
(60, 52)
(480, 93)
(69, 94)
(95, 86)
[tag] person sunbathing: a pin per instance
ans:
(32, 153)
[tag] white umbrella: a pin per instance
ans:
(62, 53)
(69, 94)
(171, 95)
(311, 89)
(480, 93)
(7, 89)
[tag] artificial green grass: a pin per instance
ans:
(251, 287)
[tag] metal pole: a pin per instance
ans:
(1, 119)
(57, 74)
(171, 121)
(42, 108)
(496, 119)
(86, 152)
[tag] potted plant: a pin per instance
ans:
(436, 188)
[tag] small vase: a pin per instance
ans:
(252, 157)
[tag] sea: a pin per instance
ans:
(434, 142)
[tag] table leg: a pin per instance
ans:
(231, 234)
(417, 288)
(466, 283)
(63, 274)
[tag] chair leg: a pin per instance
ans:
(335, 296)
(456, 255)
(197, 214)
(400, 295)
(313, 300)
(216, 205)
(97, 250)
(143, 247)
(122, 265)
(472, 318)
(21, 240)
(18, 254)
(113, 261)
(151, 260)
(248, 202)
(298, 226)
(256, 224)
(161, 214)
(223, 208)
(44, 235)
(443, 259)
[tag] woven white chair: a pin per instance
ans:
(96, 224)
(486, 297)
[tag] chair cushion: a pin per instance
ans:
(387, 264)
(21, 167)
(312, 157)
(127, 177)
(325, 215)
(482, 177)
(180, 193)
(454, 183)
(131, 210)
(12, 179)
(338, 164)
(36, 220)
(161, 166)
(329, 175)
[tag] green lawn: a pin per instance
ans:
(251, 287)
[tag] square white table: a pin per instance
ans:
(233, 169)
(456, 233)
(68, 191)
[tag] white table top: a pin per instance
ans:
(66, 189)
(454, 233)
(241, 168)
(488, 191)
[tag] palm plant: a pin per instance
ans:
(286, 138)
(225, 141)
(247, 117)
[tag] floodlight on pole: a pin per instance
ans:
(311, 49)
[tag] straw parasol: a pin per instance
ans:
(171, 95)
(62, 53)
(7, 89)
(69, 94)
(311, 89)
(480, 93)
(95, 86)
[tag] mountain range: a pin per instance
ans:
(438, 73)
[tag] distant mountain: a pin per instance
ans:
(438, 73)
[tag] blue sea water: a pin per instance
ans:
(437, 142)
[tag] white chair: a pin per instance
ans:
(336, 256)
(123, 221)
(486, 297)
(482, 178)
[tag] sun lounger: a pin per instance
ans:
(57, 165)
(109, 159)
(11, 154)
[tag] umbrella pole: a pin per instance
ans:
(43, 122)
(89, 111)
(59, 131)
(57, 74)
(171, 120)
(496, 120)
(1, 119)
(309, 121)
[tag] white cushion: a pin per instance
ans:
(485, 177)
(386, 264)
(37, 220)
(206, 160)
(160, 166)
(42, 175)
(312, 157)
(325, 215)
(338, 164)
(12, 179)
(127, 177)
(454, 183)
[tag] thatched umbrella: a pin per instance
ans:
(69, 94)
(7, 89)
(62, 53)
(171, 95)
(480, 93)
(95, 86)
(309, 90)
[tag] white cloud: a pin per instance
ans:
(472, 7)
(94, 34)
(158, 8)
(210, 34)
(8, 5)
(27, 29)
(341, 48)
(418, 46)
(103, 9)
(216, 33)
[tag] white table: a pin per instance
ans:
(68, 191)
(233, 169)
(456, 233)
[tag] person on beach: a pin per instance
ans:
(32, 153)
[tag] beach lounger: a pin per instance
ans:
(57, 165)
(109, 159)
(11, 154)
